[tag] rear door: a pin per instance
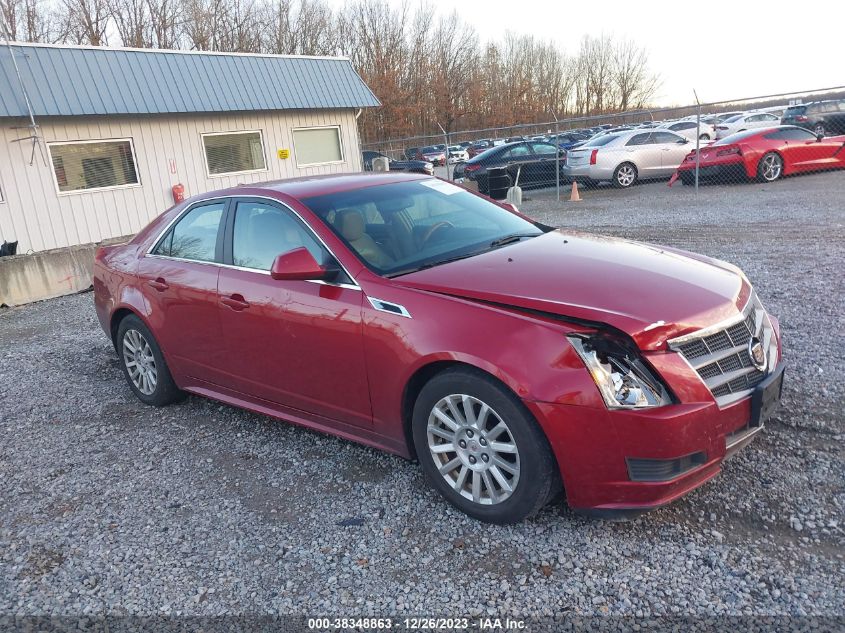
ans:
(515, 159)
(543, 169)
(642, 150)
(178, 277)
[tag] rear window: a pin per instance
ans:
(735, 138)
(795, 110)
(429, 150)
(600, 141)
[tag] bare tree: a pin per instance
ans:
(132, 19)
(84, 21)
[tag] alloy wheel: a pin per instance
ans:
(772, 167)
(473, 449)
(626, 175)
(140, 362)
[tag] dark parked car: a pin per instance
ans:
(413, 166)
(825, 118)
(534, 160)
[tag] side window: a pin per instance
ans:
(516, 152)
(666, 137)
(797, 134)
(544, 149)
(195, 235)
(264, 231)
(640, 139)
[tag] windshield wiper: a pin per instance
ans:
(414, 269)
(507, 239)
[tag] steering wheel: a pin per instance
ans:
(434, 228)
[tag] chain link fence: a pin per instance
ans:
(755, 138)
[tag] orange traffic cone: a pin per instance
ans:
(574, 197)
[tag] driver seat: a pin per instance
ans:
(350, 222)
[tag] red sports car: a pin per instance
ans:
(407, 313)
(765, 155)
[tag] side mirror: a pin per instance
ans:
(683, 141)
(819, 137)
(299, 264)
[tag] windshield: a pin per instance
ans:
(405, 226)
(733, 118)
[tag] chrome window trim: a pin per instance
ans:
(149, 252)
(379, 304)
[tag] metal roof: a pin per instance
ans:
(87, 80)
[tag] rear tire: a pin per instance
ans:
(704, 137)
(143, 364)
(481, 449)
(687, 179)
(625, 176)
(770, 167)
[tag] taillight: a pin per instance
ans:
(469, 167)
(593, 155)
(728, 151)
(801, 118)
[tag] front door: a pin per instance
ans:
(295, 343)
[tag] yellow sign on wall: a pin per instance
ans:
(283, 153)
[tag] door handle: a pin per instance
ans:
(236, 302)
(159, 284)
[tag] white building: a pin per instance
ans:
(116, 129)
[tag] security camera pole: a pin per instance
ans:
(557, 156)
(697, 139)
(446, 138)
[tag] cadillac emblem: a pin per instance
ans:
(757, 354)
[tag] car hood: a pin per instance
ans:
(651, 293)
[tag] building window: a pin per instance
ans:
(233, 153)
(87, 165)
(317, 146)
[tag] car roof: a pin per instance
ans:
(308, 186)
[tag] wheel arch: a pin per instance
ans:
(424, 373)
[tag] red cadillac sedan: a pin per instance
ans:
(511, 359)
(765, 155)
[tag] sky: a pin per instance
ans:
(723, 50)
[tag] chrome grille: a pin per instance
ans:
(721, 356)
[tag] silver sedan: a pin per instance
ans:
(624, 158)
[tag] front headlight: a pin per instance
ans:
(624, 380)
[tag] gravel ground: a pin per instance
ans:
(109, 506)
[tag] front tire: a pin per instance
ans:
(143, 364)
(704, 137)
(625, 176)
(481, 449)
(770, 167)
